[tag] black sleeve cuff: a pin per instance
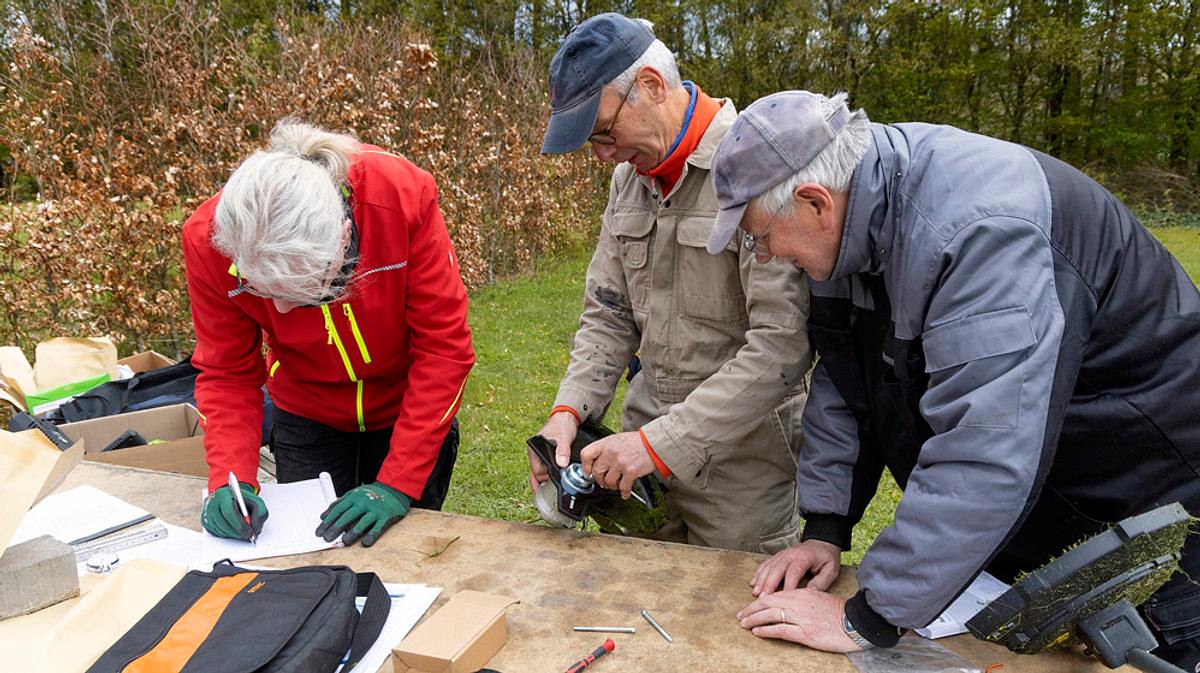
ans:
(832, 528)
(869, 624)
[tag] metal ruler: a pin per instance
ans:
(122, 539)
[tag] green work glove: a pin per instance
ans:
(222, 517)
(363, 512)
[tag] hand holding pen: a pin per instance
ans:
(236, 512)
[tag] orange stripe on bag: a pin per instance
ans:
(191, 629)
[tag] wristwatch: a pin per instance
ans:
(854, 634)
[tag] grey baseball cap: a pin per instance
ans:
(595, 52)
(770, 142)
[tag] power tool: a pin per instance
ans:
(569, 497)
(1089, 594)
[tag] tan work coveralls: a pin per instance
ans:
(724, 350)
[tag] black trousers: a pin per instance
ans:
(304, 448)
(1173, 613)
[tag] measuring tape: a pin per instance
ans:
(122, 539)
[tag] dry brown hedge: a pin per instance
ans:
(133, 118)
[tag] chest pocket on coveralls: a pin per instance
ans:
(709, 286)
(632, 228)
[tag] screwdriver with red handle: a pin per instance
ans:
(604, 649)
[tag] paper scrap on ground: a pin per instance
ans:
(954, 620)
(294, 512)
(79, 513)
(409, 604)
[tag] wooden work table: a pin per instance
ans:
(564, 578)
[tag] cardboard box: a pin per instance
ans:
(180, 450)
(459, 638)
(146, 361)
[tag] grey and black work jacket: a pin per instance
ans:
(1003, 335)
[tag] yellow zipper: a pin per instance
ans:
(336, 340)
(362, 345)
(274, 366)
(358, 406)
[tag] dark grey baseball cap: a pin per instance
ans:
(770, 142)
(595, 52)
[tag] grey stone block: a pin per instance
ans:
(36, 574)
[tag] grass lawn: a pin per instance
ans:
(522, 330)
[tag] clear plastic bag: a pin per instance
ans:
(911, 655)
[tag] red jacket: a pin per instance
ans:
(396, 353)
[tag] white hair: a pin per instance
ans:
(833, 168)
(657, 56)
(280, 215)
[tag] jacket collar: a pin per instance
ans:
(702, 156)
(871, 212)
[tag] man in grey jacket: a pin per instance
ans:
(995, 328)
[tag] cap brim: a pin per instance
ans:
(727, 222)
(569, 129)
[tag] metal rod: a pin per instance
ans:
(606, 629)
(661, 631)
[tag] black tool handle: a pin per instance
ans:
(24, 421)
(1144, 661)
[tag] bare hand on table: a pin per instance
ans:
(617, 461)
(805, 616)
(560, 429)
(817, 559)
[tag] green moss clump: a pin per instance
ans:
(1155, 554)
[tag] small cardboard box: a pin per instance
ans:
(180, 450)
(459, 638)
(146, 361)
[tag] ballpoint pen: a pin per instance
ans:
(241, 501)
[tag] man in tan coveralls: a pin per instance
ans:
(710, 330)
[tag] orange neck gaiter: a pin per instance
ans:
(703, 110)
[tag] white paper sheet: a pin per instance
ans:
(294, 512)
(409, 604)
(954, 620)
(78, 513)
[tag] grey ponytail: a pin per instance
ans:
(280, 217)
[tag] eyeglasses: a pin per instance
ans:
(605, 136)
(339, 283)
(758, 244)
(334, 291)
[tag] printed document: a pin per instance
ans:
(409, 604)
(953, 621)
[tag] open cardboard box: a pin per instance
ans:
(459, 638)
(146, 361)
(178, 426)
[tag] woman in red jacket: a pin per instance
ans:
(324, 270)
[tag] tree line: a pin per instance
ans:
(1112, 86)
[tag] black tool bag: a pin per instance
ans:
(174, 384)
(234, 620)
